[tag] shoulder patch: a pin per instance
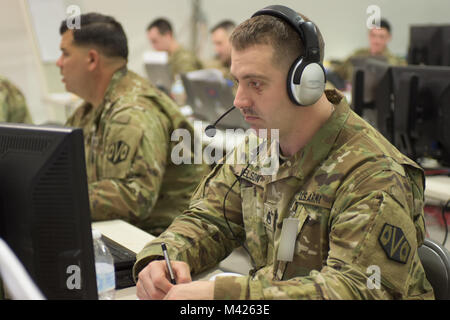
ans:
(117, 152)
(394, 243)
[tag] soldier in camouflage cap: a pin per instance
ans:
(13, 107)
(378, 49)
(343, 208)
(181, 60)
(127, 125)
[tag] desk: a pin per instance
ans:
(130, 237)
(135, 239)
(124, 233)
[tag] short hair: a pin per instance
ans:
(163, 25)
(269, 30)
(101, 31)
(385, 24)
(227, 25)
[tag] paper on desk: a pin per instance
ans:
(15, 277)
(225, 274)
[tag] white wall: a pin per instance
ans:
(343, 22)
(17, 59)
(343, 25)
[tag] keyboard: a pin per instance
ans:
(124, 260)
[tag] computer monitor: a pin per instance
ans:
(369, 92)
(44, 208)
(429, 45)
(211, 98)
(160, 76)
(421, 98)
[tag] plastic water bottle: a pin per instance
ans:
(178, 93)
(104, 268)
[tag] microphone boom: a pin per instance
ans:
(210, 130)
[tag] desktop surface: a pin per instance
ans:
(135, 239)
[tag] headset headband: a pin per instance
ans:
(306, 30)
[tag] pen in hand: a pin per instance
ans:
(169, 266)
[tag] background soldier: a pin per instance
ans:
(127, 125)
(379, 39)
(160, 35)
(220, 36)
(13, 107)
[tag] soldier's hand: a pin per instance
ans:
(154, 281)
(196, 290)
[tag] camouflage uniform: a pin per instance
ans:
(128, 154)
(182, 61)
(359, 203)
(13, 107)
(345, 70)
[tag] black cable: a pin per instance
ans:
(226, 219)
(444, 209)
(258, 150)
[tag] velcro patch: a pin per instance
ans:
(394, 243)
(117, 152)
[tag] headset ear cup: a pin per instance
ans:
(294, 75)
(307, 82)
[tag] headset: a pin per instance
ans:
(306, 77)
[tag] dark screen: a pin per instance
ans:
(421, 111)
(429, 45)
(44, 205)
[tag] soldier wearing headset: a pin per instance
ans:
(342, 207)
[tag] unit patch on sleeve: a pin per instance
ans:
(117, 152)
(394, 243)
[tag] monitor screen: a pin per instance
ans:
(421, 98)
(429, 45)
(44, 208)
(368, 92)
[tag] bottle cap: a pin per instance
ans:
(96, 234)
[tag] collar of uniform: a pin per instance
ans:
(110, 91)
(177, 51)
(303, 162)
(93, 114)
(256, 156)
(366, 52)
(386, 52)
